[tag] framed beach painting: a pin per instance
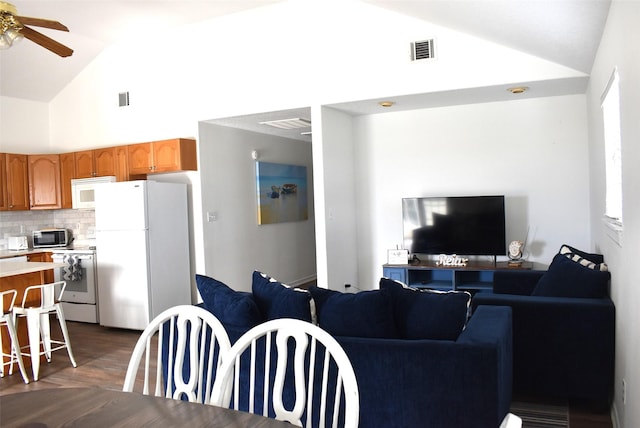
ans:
(282, 192)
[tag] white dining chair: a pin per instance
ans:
(312, 375)
(6, 320)
(183, 341)
(38, 303)
(511, 421)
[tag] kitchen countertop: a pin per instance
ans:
(5, 254)
(19, 268)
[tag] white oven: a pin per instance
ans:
(79, 301)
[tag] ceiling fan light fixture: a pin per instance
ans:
(9, 27)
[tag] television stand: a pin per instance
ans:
(475, 276)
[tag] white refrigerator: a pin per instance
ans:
(142, 244)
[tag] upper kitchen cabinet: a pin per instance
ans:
(44, 182)
(122, 163)
(3, 182)
(16, 182)
(67, 172)
(178, 154)
(96, 163)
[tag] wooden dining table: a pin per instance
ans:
(97, 408)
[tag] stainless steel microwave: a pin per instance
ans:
(50, 238)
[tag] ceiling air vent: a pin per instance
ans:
(424, 49)
(293, 123)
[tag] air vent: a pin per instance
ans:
(123, 99)
(293, 123)
(424, 49)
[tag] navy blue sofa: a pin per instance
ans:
(464, 382)
(562, 346)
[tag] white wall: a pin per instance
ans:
(615, 51)
(234, 244)
(532, 151)
(339, 210)
(249, 62)
(24, 126)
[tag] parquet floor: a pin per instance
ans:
(102, 355)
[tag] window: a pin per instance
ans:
(613, 151)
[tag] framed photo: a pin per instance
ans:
(282, 193)
(398, 257)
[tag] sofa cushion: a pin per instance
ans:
(278, 300)
(367, 314)
(428, 314)
(566, 278)
(231, 307)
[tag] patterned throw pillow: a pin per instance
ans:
(575, 256)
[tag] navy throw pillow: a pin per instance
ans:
(566, 278)
(367, 314)
(428, 314)
(277, 300)
(231, 307)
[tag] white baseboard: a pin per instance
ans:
(303, 281)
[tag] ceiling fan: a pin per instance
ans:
(14, 27)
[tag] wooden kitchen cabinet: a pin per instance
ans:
(17, 182)
(96, 163)
(178, 154)
(122, 163)
(3, 182)
(44, 182)
(67, 172)
(49, 275)
(140, 159)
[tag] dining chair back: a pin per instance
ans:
(182, 349)
(38, 303)
(297, 373)
(6, 320)
(511, 421)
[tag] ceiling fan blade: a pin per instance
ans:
(39, 22)
(46, 42)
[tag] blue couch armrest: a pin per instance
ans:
(562, 346)
(463, 383)
(492, 327)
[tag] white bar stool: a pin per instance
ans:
(38, 303)
(7, 320)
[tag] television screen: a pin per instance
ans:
(463, 225)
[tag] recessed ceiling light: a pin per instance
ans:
(386, 103)
(518, 89)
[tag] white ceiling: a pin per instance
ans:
(563, 31)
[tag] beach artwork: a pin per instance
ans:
(282, 192)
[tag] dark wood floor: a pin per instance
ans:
(102, 355)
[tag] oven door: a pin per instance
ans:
(82, 290)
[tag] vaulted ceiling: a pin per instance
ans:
(566, 32)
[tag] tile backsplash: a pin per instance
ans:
(81, 223)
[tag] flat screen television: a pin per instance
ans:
(463, 225)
